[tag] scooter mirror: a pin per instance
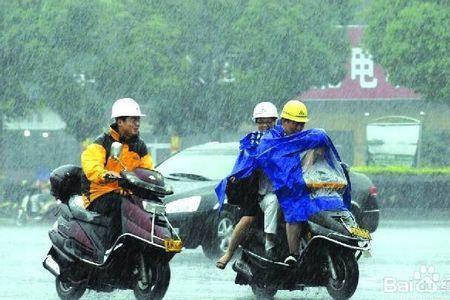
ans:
(116, 148)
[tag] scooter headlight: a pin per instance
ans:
(155, 208)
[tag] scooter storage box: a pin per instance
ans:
(65, 182)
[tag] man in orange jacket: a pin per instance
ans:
(100, 194)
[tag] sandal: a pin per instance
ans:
(221, 265)
(222, 262)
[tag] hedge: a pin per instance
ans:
(403, 187)
(401, 170)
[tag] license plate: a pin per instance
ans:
(360, 232)
(172, 245)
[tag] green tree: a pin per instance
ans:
(411, 40)
(286, 47)
(19, 93)
(95, 53)
(68, 68)
(234, 54)
(196, 66)
(18, 90)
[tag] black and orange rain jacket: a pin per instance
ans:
(96, 161)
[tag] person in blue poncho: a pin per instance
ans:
(293, 118)
(259, 187)
(292, 159)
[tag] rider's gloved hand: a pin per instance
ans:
(110, 176)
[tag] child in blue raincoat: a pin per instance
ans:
(255, 192)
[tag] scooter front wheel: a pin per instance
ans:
(263, 293)
(159, 275)
(68, 291)
(347, 276)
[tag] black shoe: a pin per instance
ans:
(291, 260)
(272, 254)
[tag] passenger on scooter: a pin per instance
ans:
(264, 115)
(100, 192)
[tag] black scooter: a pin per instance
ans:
(331, 244)
(139, 258)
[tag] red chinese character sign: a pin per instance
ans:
(364, 79)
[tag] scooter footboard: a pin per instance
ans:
(268, 271)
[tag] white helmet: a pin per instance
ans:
(126, 107)
(264, 110)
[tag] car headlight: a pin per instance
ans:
(189, 204)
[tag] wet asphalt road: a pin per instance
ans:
(401, 251)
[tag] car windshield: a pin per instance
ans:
(211, 164)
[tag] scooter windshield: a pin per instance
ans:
(323, 173)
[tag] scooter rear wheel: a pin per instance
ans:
(68, 291)
(159, 275)
(344, 286)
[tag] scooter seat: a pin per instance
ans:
(82, 214)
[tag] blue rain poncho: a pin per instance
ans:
(305, 170)
(245, 163)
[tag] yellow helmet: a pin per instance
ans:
(296, 111)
